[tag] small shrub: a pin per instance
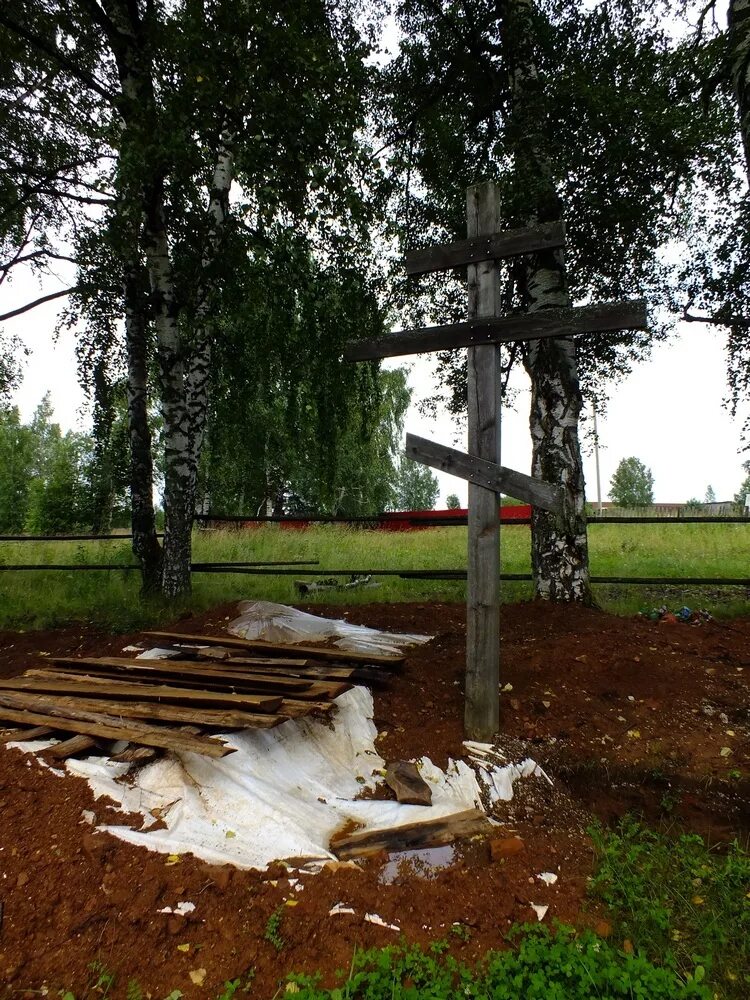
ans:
(273, 924)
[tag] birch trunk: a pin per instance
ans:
(145, 543)
(738, 17)
(198, 368)
(127, 38)
(559, 544)
(177, 466)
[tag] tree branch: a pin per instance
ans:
(688, 317)
(38, 302)
(42, 45)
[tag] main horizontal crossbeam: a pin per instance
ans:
(606, 317)
(492, 477)
(495, 246)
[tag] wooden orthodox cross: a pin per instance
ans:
(482, 333)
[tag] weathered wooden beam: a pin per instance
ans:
(430, 833)
(175, 671)
(38, 710)
(61, 683)
(606, 317)
(485, 474)
(482, 702)
(494, 246)
(157, 712)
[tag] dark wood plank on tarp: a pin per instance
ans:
(486, 474)
(489, 246)
(430, 833)
(606, 317)
(22, 706)
(284, 649)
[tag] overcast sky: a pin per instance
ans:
(668, 413)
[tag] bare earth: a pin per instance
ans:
(625, 714)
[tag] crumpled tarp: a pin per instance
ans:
(282, 794)
(280, 623)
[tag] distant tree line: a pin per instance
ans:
(50, 481)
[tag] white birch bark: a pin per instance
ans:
(559, 544)
(198, 366)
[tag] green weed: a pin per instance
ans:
(273, 925)
(544, 966)
(680, 903)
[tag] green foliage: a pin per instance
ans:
(742, 493)
(679, 902)
(416, 487)
(47, 479)
(543, 966)
(632, 484)
(710, 496)
(272, 932)
(625, 191)
(452, 502)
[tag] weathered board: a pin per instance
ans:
(606, 317)
(483, 377)
(144, 669)
(409, 837)
(494, 246)
(486, 474)
(51, 683)
(154, 711)
(38, 710)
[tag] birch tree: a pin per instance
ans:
(586, 115)
(185, 96)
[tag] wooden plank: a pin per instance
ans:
(26, 735)
(488, 475)
(494, 246)
(239, 683)
(606, 317)
(186, 669)
(291, 708)
(409, 837)
(51, 682)
(71, 746)
(134, 755)
(281, 649)
(482, 702)
(36, 709)
(157, 712)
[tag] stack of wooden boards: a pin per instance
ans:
(210, 684)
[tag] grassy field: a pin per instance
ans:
(39, 599)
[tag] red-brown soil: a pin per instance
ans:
(623, 713)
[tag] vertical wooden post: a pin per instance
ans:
(482, 710)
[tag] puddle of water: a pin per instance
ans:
(422, 863)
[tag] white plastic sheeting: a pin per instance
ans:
(280, 796)
(496, 773)
(280, 623)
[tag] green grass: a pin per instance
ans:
(38, 599)
(679, 902)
